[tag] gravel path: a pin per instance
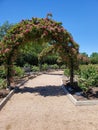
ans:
(42, 105)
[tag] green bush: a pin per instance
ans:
(27, 67)
(66, 72)
(51, 59)
(87, 77)
(63, 67)
(3, 83)
(55, 66)
(35, 68)
(2, 72)
(45, 67)
(18, 71)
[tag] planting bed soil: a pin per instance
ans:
(3, 93)
(79, 95)
(17, 81)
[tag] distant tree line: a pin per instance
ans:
(92, 59)
(4, 28)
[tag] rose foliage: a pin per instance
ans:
(38, 30)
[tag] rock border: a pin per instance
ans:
(79, 103)
(4, 101)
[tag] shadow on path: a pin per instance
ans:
(43, 90)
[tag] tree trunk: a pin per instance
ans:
(71, 72)
(40, 65)
(9, 70)
(8, 78)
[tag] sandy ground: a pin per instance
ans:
(42, 105)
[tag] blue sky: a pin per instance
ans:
(79, 17)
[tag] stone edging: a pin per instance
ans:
(79, 103)
(4, 101)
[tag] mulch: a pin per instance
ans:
(4, 93)
(79, 95)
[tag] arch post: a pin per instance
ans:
(71, 71)
(9, 73)
(8, 77)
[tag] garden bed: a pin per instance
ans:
(17, 83)
(79, 95)
(3, 93)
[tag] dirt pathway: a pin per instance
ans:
(42, 105)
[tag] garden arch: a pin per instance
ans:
(38, 30)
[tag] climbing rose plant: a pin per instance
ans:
(38, 30)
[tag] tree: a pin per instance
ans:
(83, 58)
(84, 54)
(29, 54)
(94, 58)
(4, 28)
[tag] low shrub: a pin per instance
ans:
(55, 66)
(2, 72)
(3, 83)
(35, 69)
(45, 67)
(66, 72)
(27, 67)
(19, 71)
(87, 77)
(63, 67)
